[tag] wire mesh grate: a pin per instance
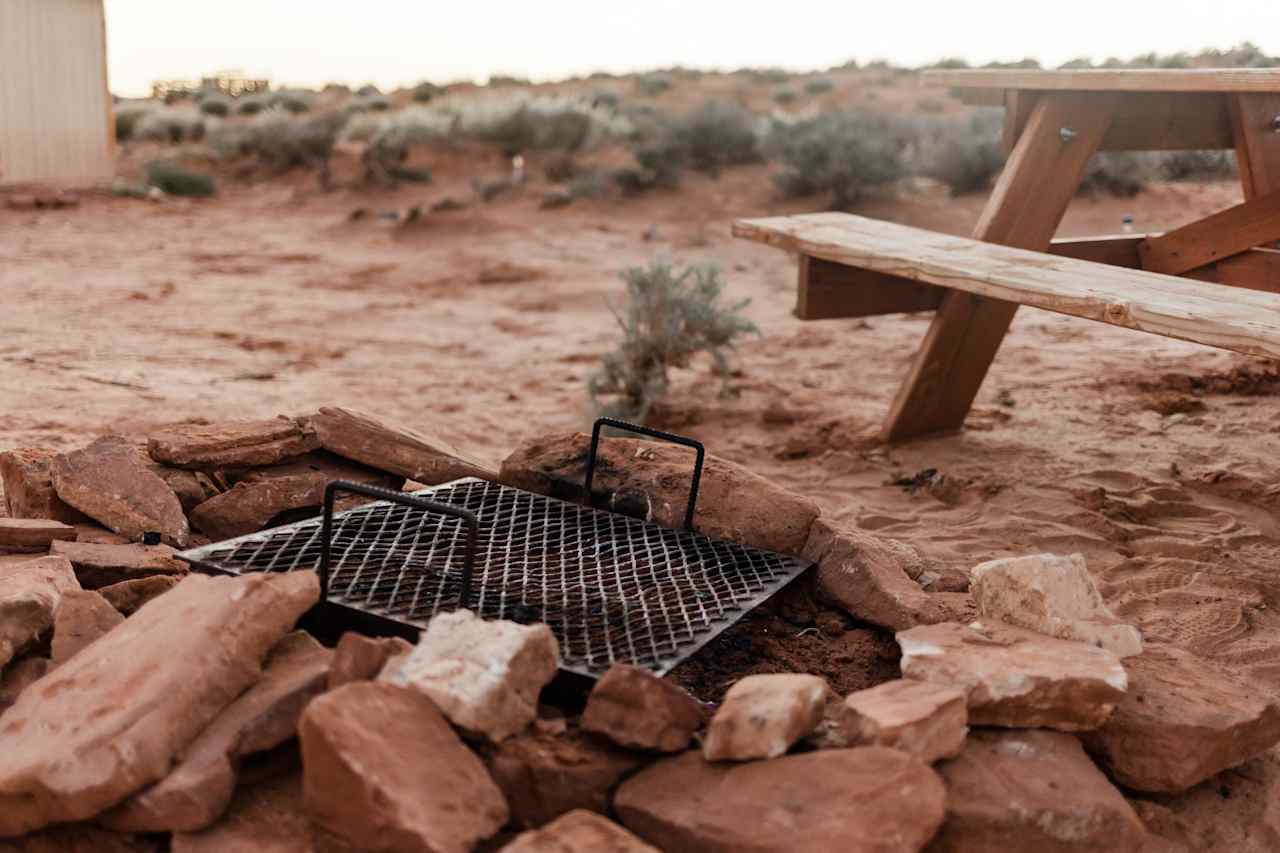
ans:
(612, 588)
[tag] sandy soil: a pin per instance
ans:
(1153, 457)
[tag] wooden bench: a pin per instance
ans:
(1215, 281)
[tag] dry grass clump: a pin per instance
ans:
(667, 319)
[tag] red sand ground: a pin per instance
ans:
(1153, 457)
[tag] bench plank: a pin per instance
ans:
(1244, 321)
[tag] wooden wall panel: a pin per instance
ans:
(55, 111)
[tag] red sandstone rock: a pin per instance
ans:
(635, 708)
(545, 774)
(82, 617)
(112, 719)
(28, 486)
(78, 838)
(231, 444)
(384, 770)
(262, 818)
(99, 565)
(579, 832)
(109, 482)
(361, 658)
(198, 789)
(763, 715)
(870, 577)
(1015, 677)
(32, 534)
(421, 457)
(265, 493)
(864, 800)
(1183, 720)
(29, 596)
(128, 596)
(484, 675)
(1032, 790)
(926, 720)
(18, 676)
(192, 488)
(651, 480)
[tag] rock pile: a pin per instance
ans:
(143, 707)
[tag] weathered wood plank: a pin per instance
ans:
(830, 291)
(1154, 121)
(1257, 143)
(1213, 238)
(1244, 321)
(1256, 269)
(1113, 79)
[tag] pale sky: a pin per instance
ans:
(399, 42)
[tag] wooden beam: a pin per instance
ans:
(1257, 142)
(829, 291)
(1120, 250)
(1155, 121)
(1255, 269)
(1024, 210)
(1112, 79)
(1215, 237)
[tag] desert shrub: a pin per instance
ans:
(930, 106)
(540, 122)
(214, 104)
(717, 134)
(1244, 55)
(1118, 173)
(1197, 165)
(667, 319)
(951, 63)
(818, 86)
(509, 80)
(368, 90)
(175, 180)
(170, 124)
(292, 100)
(426, 91)
(128, 115)
(785, 96)
(965, 154)
(588, 185)
(771, 76)
(606, 98)
(1030, 64)
(845, 154)
(251, 105)
(282, 142)
(370, 103)
(652, 84)
(1078, 62)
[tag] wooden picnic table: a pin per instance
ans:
(1054, 122)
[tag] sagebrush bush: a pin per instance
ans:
(845, 154)
(965, 154)
(128, 115)
(590, 184)
(376, 103)
(1197, 165)
(251, 105)
(426, 91)
(281, 142)
(368, 90)
(818, 86)
(1118, 173)
(173, 179)
(771, 76)
(666, 320)
(785, 96)
(292, 100)
(170, 124)
(653, 84)
(214, 104)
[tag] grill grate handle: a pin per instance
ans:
(326, 530)
(652, 433)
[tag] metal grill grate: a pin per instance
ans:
(612, 588)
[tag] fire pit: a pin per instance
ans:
(611, 587)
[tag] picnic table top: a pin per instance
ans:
(1114, 79)
(1230, 318)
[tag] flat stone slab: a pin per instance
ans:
(98, 565)
(865, 800)
(1183, 720)
(385, 771)
(635, 708)
(1051, 595)
(420, 456)
(112, 719)
(28, 486)
(128, 596)
(82, 617)
(1014, 677)
(199, 788)
(231, 444)
(109, 482)
(32, 534)
(1032, 790)
(925, 719)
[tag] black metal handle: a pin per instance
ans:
(652, 433)
(326, 528)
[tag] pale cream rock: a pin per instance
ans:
(763, 715)
(1053, 595)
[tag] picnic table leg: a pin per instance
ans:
(1040, 178)
(1254, 129)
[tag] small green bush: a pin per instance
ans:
(588, 185)
(292, 100)
(650, 85)
(370, 103)
(1197, 165)
(215, 104)
(845, 154)
(606, 98)
(251, 105)
(818, 86)
(509, 80)
(1118, 173)
(966, 155)
(170, 124)
(785, 96)
(426, 91)
(951, 63)
(767, 76)
(368, 90)
(667, 319)
(718, 134)
(172, 179)
(127, 117)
